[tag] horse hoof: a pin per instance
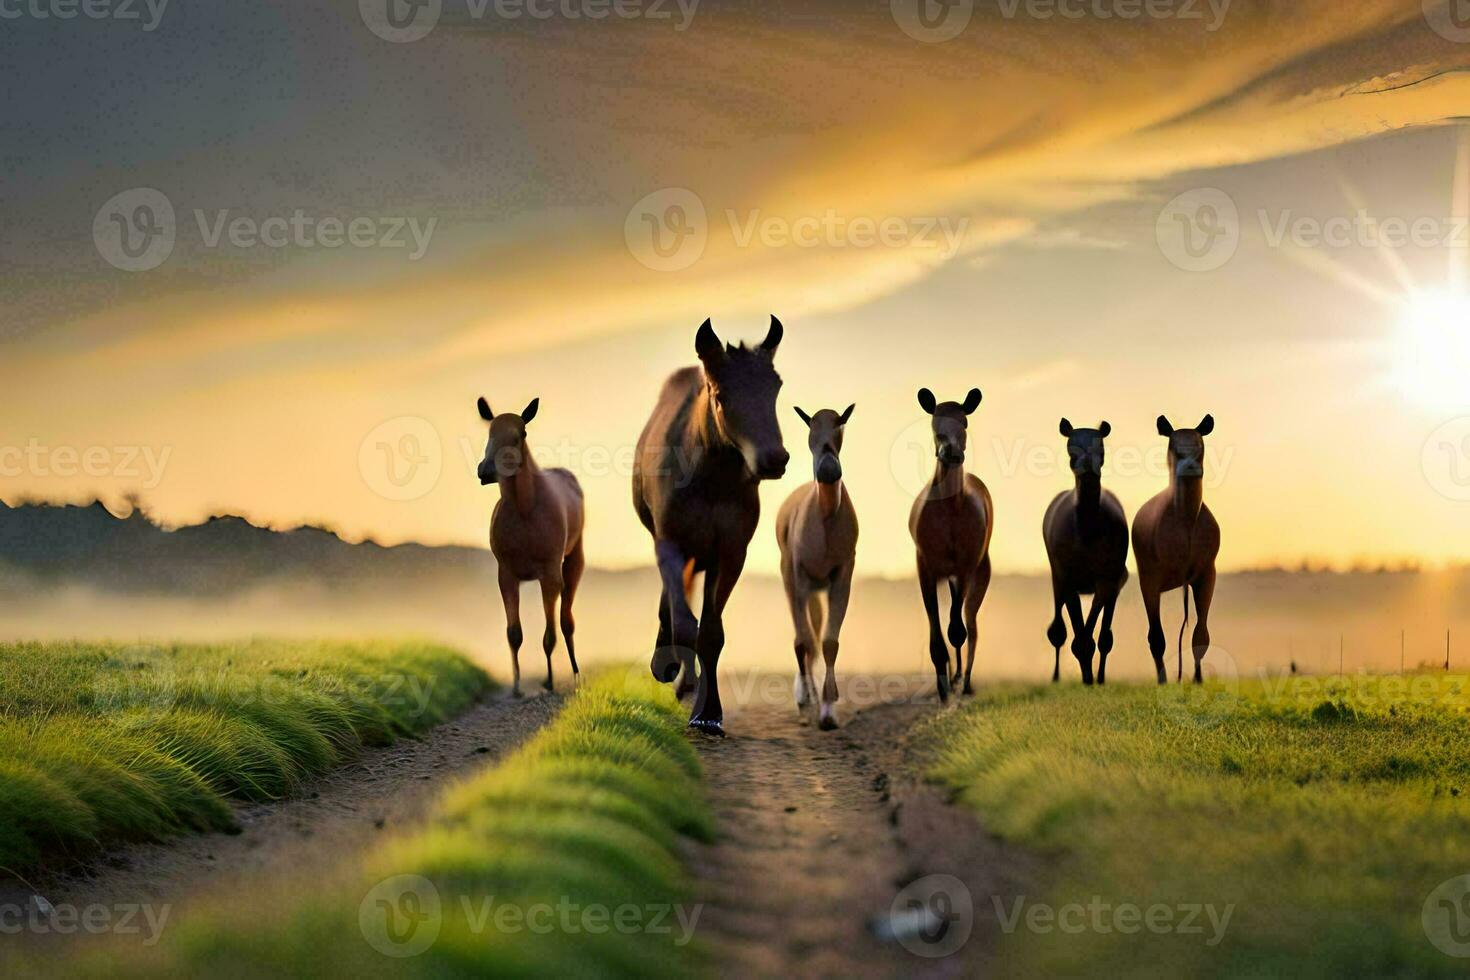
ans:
(708, 726)
(828, 720)
(968, 688)
(943, 690)
(515, 692)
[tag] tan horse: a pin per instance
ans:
(535, 533)
(709, 442)
(1175, 541)
(1086, 536)
(951, 522)
(817, 532)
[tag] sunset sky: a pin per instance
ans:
(1023, 169)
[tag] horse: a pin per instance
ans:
(951, 522)
(710, 440)
(817, 531)
(1086, 535)
(535, 533)
(1175, 542)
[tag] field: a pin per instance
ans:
(1282, 827)
(107, 743)
(560, 861)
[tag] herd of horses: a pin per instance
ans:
(713, 437)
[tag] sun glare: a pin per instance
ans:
(1435, 336)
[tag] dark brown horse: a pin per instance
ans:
(1086, 535)
(817, 532)
(951, 522)
(712, 437)
(535, 533)
(1175, 541)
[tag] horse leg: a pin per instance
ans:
(805, 642)
(814, 616)
(571, 575)
(550, 592)
(1156, 642)
(938, 652)
(957, 634)
(1081, 636)
(510, 595)
(1105, 633)
(1204, 594)
(1056, 633)
(837, 595)
(719, 582)
(979, 585)
(677, 626)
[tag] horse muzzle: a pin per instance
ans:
(772, 465)
(827, 469)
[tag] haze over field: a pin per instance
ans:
(1025, 164)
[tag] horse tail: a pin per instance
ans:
(1179, 647)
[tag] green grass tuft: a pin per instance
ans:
(1324, 811)
(102, 743)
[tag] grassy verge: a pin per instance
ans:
(1319, 815)
(101, 743)
(560, 861)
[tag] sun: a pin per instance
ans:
(1434, 332)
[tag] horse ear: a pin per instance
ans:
(484, 407)
(842, 419)
(972, 401)
(1066, 428)
(1105, 430)
(1165, 429)
(707, 345)
(773, 336)
(1206, 425)
(530, 410)
(926, 400)
(804, 417)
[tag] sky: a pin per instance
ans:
(262, 257)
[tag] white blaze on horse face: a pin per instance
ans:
(747, 449)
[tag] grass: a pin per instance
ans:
(1324, 811)
(105, 743)
(560, 861)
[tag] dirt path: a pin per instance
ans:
(309, 839)
(821, 831)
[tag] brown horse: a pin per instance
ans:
(535, 533)
(817, 532)
(1175, 541)
(951, 522)
(1086, 535)
(711, 439)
